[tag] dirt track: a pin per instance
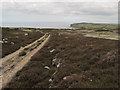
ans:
(10, 68)
(16, 38)
(10, 56)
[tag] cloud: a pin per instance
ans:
(106, 8)
(60, 0)
(100, 10)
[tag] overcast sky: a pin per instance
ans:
(26, 11)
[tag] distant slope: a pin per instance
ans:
(94, 26)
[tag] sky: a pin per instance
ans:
(58, 11)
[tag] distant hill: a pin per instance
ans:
(96, 26)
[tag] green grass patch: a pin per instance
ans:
(23, 53)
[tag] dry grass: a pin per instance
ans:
(85, 63)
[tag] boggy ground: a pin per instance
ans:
(17, 38)
(70, 60)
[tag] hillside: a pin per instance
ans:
(85, 63)
(97, 26)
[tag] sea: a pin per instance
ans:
(56, 25)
